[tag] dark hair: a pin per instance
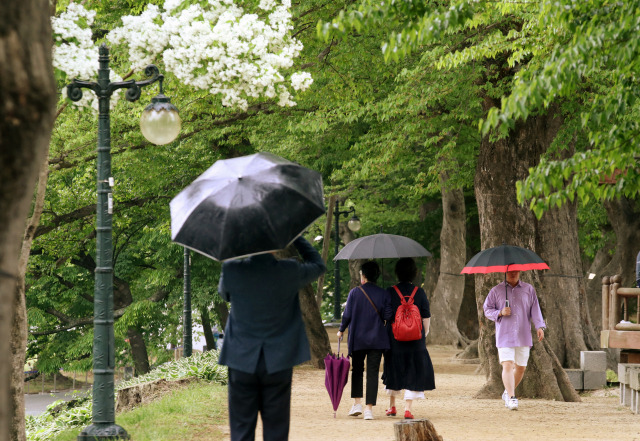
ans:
(406, 269)
(370, 270)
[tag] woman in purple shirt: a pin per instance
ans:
(513, 329)
(368, 307)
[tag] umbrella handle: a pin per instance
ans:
(339, 340)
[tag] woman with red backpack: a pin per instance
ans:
(407, 364)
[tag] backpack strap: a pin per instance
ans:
(402, 299)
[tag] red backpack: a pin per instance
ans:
(408, 323)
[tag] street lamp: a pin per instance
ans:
(103, 425)
(354, 225)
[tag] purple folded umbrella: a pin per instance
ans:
(335, 377)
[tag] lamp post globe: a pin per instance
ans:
(160, 122)
(354, 223)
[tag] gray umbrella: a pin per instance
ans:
(381, 246)
(245, 206)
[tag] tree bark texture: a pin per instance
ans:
(325, 247)
(138, 351)
(207, 329)
(561, 290)
(447, 297)
(319, 345)
(222, 311)
(27, 109)
(415, 430)
(624, 217)
(19, 328)
(594, 286)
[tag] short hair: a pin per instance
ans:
(370, 270)
(406, 269)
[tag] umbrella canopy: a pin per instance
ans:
(335, 377)
(380, 246)
(502, 259)
(248, 205)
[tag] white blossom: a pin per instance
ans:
(214, 45)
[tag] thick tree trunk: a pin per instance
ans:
(207, 329)
(27, 108)
(561, 292)
(18, 336)
(138, 351)
(447, 297)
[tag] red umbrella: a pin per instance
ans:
(335, 377)
(502, 259)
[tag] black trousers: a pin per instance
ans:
(268, 394)
(373, 357)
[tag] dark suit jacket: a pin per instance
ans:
(265, 309)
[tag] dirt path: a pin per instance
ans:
(456, 415)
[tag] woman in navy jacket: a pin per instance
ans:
(368, 307)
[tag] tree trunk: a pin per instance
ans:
(222, 311)
(624, 217)
(122, 298)
(138, 351)
(207, 329)
(27, 109)
(354, 265)
(415, 430)
(18, 336)
(561, 292)
(319, 345)
(447, 297)
(325, 247)
(599, 267)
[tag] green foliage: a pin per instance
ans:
(48, 424)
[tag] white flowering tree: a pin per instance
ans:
(240, 51)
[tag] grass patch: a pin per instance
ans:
(197, 412)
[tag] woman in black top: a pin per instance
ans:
(407, 365)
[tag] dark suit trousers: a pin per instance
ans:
(373, 357)
(269, 394)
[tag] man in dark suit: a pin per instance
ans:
(265, 337)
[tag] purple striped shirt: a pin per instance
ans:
(514, 330)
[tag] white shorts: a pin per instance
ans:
(519, 354)
(408, 394)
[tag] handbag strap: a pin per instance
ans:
(370, 301)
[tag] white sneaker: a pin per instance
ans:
(505, 398)
(356, 410)
(368, 415)
(513, 403)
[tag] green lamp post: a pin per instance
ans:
(160, 124)
(187, 338)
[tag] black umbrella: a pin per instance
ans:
(245, 206)
(502, 259)
(380, 246)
